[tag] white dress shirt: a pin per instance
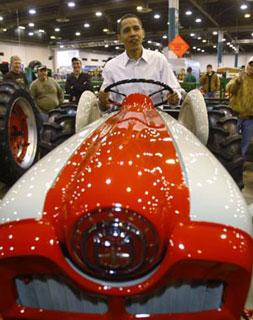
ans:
(152, 65)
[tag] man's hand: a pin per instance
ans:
(104, 100)
(173, 98)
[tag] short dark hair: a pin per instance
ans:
(209, 66)
(126, 16)
(75, 59)
(189, 69)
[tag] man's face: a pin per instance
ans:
(131, 34)
(76, 65)
(209, 69)
(250, 68)
(42, 74)
(16, 66)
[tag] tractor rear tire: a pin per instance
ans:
(59, 127)
(224, 140)
(19, 133)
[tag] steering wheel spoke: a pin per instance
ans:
(164, 86)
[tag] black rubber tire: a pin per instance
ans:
(59, 127)
(34, 64)
(224, 140)
(12, 96)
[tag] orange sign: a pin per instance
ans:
(178, 46)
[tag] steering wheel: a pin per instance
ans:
(164, 86)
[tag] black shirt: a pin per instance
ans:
(19, 78)
(75, 86)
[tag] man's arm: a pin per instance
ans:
(68, 85)
(234, 85)
(60, 93)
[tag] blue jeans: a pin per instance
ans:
(210, 94)
(246, 130)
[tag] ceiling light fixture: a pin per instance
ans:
(57, 29)
(117, 48)
(106, 45)
(5, 29)
(71, 4)
(30, 34)
(198, 20)
(31, 24)
(78, 34)
(1, 18)
(215, 33)
(105, 30)
(192, 34)
(199, 38)
(41, 31)
(204, 40)
(99, 14)
(32, 11)
(244, 6)
(157, 16)
(214, 47)
(21, 27)
(247, 15)
(139, 8)
(52, 37)
(188, 12)
(164, 36)
(86, 25)
(61, 46)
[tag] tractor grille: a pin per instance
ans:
(180, 297)
(57, 295)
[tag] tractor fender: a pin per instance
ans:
(87, 110)
(193, 115)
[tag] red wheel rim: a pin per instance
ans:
(18, 133)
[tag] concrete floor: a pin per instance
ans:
(247, 193)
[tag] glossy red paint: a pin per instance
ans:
(130, 161)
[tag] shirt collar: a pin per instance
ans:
(144, 57)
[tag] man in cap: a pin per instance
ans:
(46, 92)
(77, 82)
(16, 74)
(240, 90)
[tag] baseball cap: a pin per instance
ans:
(250, 60)
(42, 67)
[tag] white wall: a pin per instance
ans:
(228, 60)
(27, 53)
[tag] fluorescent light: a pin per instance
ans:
(41, 30)
(192, 34)
(164, 36)
(215, 33)
(157, 16)
(52, 37)
(202, 50)
(117, 48)
(198, 20)
(4, 29)
(244, 6)
(194, 48)
(32, 11)
(99, 13)
(78, 33)
(149, 41)
(31, 24)
(198, 49)
(188, 12)
(61, 46)
(139, 8)
(21, 27)
(30, 34)
(105, 30)
(1, 18)
(71, 4)
(204, 41)
(247, 15)
(57, 29)
(106, 45)
(214, 46)
(199, 38)
(86, 25)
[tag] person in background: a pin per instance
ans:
(16, 74)
(46, 92)
(181, 75)
(240, 90)
(77, 82)
(242, 70)
(189, 76)
(136, 62)
(210, 82)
